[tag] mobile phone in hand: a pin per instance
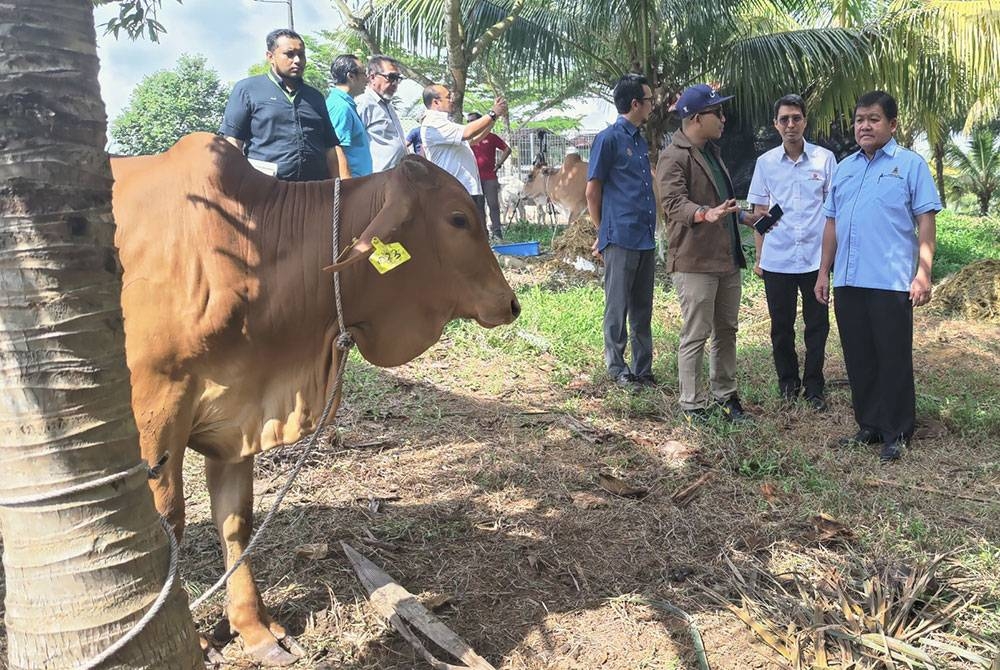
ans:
(769, 219)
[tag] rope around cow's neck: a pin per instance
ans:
(344, 342)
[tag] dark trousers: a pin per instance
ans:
(628, 294)
(782, 297)
(480, 201)
(876, 333)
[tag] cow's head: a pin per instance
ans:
(452, 272)
(534, 186)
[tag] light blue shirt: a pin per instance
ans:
(350, 131)
(799, 187)
(875, 204)
(387, 141)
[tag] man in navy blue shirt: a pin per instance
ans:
(621, 205)
(280, 122)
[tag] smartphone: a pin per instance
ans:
(768, 219)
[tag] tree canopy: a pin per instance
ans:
(169, 104)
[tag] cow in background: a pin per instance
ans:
(565, 186)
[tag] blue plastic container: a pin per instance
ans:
(517, 248)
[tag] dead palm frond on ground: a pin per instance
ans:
(859, 616)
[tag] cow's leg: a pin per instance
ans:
(230, 486)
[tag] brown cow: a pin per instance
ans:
(565, 186)
(230, 321)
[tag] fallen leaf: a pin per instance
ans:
(769, 491)
(612, 484)
(829, 529)
(313, 552)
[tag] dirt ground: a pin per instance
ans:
(475, 481)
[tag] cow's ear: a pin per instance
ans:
(395, 210)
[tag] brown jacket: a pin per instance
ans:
(685, 183)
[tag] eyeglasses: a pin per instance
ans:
(715, 111)
(392, 77)
(790, 120)
(648, 99)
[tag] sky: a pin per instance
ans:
(230, 34)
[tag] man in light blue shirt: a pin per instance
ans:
(348, 77)
(795, 176)
(879, 240)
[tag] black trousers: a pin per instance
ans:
(876, 333)
(782, 291)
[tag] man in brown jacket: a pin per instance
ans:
(704, 253)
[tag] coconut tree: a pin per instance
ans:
(978, 166)
(85, 555)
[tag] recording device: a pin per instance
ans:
(768, 220)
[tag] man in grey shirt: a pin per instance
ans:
(385, 132)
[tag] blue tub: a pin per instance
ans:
(517, 248)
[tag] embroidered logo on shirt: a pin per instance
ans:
(628, 150)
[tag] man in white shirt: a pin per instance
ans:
(387, 141)
(447, 144)
(796, 176)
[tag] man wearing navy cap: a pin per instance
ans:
(620, 202)
(879, 239)
(704, 253)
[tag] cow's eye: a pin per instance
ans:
(459, 220)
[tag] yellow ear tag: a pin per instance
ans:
(387, 256)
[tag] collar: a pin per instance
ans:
(376, 96)
(807, 150)
(277, 82)
(435, 115)
(890, 149)
(343, 95)
(627, 125)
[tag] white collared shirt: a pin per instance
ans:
(799, 187)
(443, 145)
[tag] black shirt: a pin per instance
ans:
(292, 130)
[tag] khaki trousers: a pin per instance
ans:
(710, 306)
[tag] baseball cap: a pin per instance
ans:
(698, 98)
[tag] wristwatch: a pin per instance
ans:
(700, 214)
(492, 114)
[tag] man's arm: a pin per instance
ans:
(476, 130)
(595, 193)
(674, 199)
(504, 155)
(341, 158)
(822, 288)
(920, 287)
(332, 164)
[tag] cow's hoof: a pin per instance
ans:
(277, 653)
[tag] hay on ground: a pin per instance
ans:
(973, 292)
(576, 239)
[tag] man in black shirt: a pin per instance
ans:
(280, 122)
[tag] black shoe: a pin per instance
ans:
(863, 436)
(627, 381)
(893, 450)
(732, 410)
(790, 395)
(647, 380)
(817, 403)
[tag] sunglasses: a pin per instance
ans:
(392, 77)
(792, 119)
(717, 111)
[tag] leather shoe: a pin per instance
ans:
(863, 436)
(817, 403)
(732, 410)
(892, 450)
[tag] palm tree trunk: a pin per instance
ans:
(938, 149)
(80, 569)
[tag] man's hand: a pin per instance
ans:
(500, 106)
(715, 213)
(757, 271)
(920, 290)
(748, 219)
(593, 250)
(822, 288)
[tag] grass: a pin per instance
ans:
(962, 240)
(522, 231)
